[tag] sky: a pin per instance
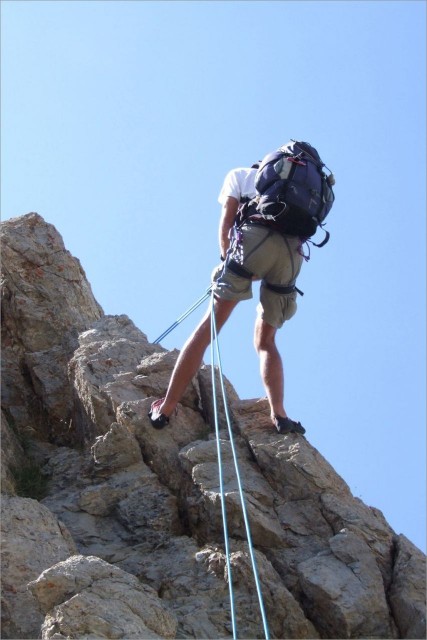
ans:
(119, 121)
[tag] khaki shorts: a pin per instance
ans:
(273, 258)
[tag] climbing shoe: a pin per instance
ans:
(286, 425)
(158, 420)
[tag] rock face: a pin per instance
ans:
(46, 302)
(84, 593)
(128, 540)
(32, 539)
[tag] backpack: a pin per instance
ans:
(294, 192)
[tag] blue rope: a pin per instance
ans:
(214, 336)
(184, 315)
(221, 480)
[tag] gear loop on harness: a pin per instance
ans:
(236, 244)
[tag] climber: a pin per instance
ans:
(253, 251)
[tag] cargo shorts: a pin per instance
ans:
(271, 257)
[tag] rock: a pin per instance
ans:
(160, 448)
(103, 368)
(77, 496)
(85, 597)
(32, 541)
(346, 512)
(154, 372)
(105, 511)
(46, 302)
(206, 395)
(200, 461)
(347, 581)
(295, 469)
(284, 616)
(12, 456)
(198, 598)
(150, 509)
(115, 450)
(408, 589)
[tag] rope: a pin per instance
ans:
(214, 337)
(184, 315)
(221, 480)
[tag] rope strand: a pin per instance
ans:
(221, 480)
(184, 315)
(214, 336)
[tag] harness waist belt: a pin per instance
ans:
(260, 221)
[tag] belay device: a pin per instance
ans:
(293, 190)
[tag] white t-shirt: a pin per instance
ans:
(238, 183)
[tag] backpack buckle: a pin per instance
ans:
(297, 161)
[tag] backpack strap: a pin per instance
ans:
(324, 241)
(247, 207)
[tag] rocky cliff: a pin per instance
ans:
(111, 529)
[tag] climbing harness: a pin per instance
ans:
(184, 315)
(214, 339)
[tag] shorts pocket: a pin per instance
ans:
(289, 303)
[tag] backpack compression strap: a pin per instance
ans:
(324, 241)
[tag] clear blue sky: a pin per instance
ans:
(119, 122)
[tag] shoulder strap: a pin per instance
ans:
(247, 208)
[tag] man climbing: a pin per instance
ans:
(257, 250)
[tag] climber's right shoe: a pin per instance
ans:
(158, 419)
(286, 425)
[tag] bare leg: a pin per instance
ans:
(192, 353)
(271, 367)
